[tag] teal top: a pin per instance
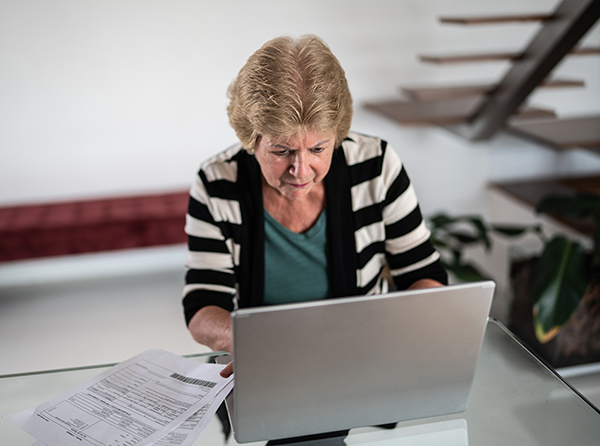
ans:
(296, 267)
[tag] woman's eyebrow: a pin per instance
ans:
(320, 144)
(283, 146)
(280, 146)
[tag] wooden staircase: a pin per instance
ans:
(479, 111)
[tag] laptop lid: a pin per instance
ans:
(330, 365)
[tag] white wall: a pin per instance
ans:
(112, 97)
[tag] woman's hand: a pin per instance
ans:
(425, 283)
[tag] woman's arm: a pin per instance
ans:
(412, 258)
(211, 326)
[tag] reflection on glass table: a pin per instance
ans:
(515, 400)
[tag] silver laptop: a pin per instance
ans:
(336, 364)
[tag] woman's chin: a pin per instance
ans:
(295, 192)
(295, 195)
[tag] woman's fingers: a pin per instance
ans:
(227, 371)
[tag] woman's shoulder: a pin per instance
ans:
(359, 148)
(223, 165)
(223, 158)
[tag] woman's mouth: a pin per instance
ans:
(298, 185)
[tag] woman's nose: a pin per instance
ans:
(300, 167)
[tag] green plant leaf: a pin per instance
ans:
(559, 281)
(457, 253)
(439, 243)
(510, 231)
(481, 229)
(464, 237)
(460, 231)
(579, 205)
(441, 220)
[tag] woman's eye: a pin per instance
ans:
(318, 149)
(282, 153)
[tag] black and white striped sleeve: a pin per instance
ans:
(410, 253)
(212, 249)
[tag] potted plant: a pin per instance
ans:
(556, 296)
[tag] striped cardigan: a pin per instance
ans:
(373, 217)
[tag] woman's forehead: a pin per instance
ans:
(304, 138)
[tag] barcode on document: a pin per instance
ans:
(194, 381)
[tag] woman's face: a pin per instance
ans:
(294, 166)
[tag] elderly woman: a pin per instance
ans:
(301, 209)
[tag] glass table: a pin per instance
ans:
(515, 400)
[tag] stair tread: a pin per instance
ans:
(446, 112)
(441, 92)
(494, 19)
(566, 133)
(494, 56)
(531, 191)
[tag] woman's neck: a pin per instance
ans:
(296, 215)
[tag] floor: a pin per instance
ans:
(105, 308)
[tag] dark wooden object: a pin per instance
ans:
(435, 93)
(446, 112)
(531, 192)
(442, 59)
(572, 19)
(490, 20)
(501, 56)
(581, 132)
(482, 110)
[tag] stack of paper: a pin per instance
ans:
(156, 397)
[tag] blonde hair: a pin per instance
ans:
(287, 85)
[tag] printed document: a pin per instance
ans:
(155, 397)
